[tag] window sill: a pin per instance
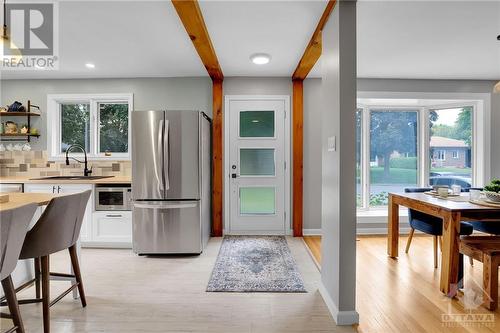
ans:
(91, 158)
(379, 212)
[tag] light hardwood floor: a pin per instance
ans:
(403, 295)
(127, 293)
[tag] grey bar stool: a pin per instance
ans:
(13, 227)
(57, 229)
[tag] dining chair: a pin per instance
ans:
(13, 227)
(430, 225)
(57, 229)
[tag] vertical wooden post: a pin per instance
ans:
(298, 148)
(217, 155)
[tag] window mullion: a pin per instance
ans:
(365, 159)
(93, 127)
(424, 140)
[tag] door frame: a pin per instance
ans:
(287, 145)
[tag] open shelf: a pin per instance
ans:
(19, 114)
(19, 136)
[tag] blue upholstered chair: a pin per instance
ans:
(430, 225)
(492, 228)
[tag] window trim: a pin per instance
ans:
(54, 121)
(455, 154)
(423, 140)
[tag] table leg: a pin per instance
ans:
(450, 254)
(393, 229)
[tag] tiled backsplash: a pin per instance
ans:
(36, 164)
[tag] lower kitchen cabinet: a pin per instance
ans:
(85, 233)
(112, 227)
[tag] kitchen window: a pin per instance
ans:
(400, 146)
(99, 123)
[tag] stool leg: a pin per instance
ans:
(46, 293)
(78, 275)
(490, 282)
(10, 295)
(37, 277)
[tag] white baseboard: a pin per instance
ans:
(311, 232)
(342, 318)
(379, 231)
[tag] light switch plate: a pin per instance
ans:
(332, 144)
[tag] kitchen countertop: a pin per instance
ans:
(28, 180)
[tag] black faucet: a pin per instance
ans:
(86, 171)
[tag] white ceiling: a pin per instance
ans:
(122, 39)
(429, 39)
(396, 39)
(239, 29)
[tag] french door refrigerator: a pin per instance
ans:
(171, 181)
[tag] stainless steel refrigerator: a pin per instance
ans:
(171, 181)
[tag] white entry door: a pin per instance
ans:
(257, 165)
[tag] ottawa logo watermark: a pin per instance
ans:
(473, 314)
(32, 36)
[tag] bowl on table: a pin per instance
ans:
(492, 196)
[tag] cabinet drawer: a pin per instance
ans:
(113, 226)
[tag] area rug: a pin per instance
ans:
(255, 264)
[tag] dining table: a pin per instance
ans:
(452, 210)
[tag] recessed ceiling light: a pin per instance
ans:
(260, 58)
(89, 65)
(255, 121)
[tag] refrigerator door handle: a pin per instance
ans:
(166, 154)
(166, 205)
(158, 160)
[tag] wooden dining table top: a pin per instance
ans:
(451, 203)
(20, 199)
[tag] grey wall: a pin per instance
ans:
(194, 93)
(338, 208)
(257, 86)
(312, 154)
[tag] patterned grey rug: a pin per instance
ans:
(255, 264)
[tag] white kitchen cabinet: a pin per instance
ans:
(112, 228)
(86, 231)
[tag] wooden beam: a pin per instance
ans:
(190, 14)
(298, 147)
(314, 48)
(217, 162)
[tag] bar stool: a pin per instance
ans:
(57, 229)
(13, 226)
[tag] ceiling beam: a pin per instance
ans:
(190, 14)
(314, 48)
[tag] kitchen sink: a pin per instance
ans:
(71, 177)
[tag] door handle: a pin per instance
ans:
(114, 215)
(170, 205)
(54, 189)
(58, 189)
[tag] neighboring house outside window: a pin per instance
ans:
(444, 148)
